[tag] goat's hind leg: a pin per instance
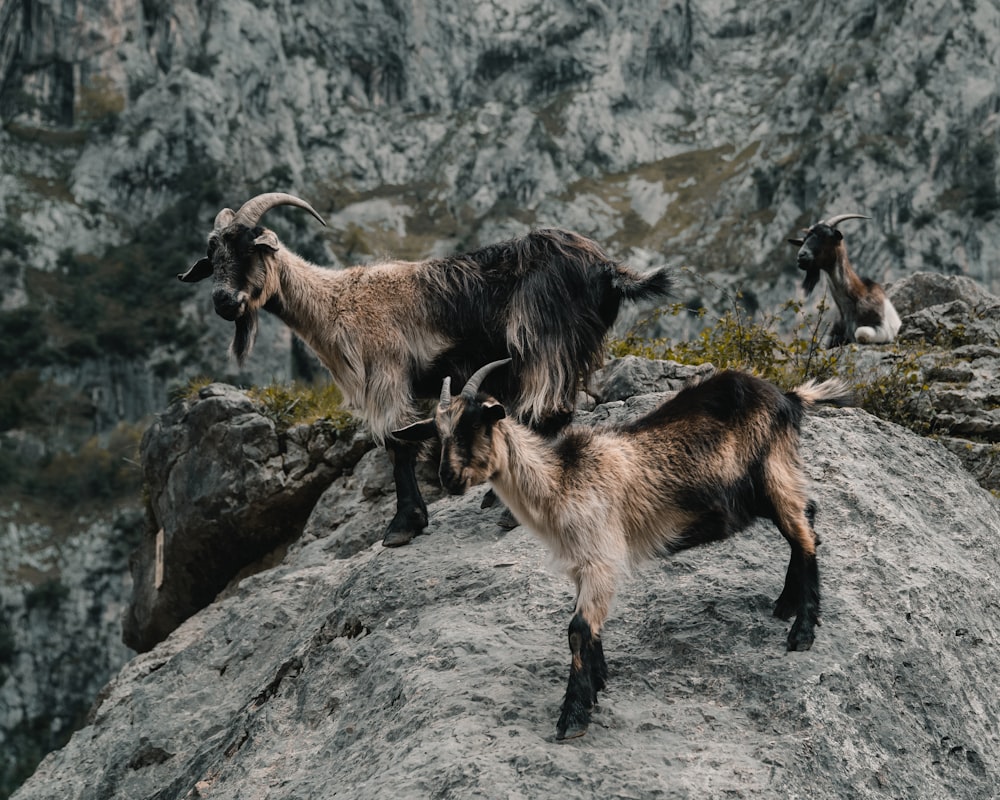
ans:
(789, 600)
(411, 511)
(800, 595)
(793, 514)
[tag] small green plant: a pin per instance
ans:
(894, 392)
(737, 341)
(99, 103)
(189, 390)
(46, 596)
(292, 404)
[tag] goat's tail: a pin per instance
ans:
(836, 391)
(631, 285)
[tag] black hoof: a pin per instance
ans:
(571, 733)
(800, 637)
(784, 609)
(507, 520)
(397, 538)
(404, 526)
(489, 499)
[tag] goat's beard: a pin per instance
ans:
(810, 280)
(245, 336)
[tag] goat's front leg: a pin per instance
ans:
(588, 673)
(411, 511)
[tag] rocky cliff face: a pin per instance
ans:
(61, 600)
(437, 669)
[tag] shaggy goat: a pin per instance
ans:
(390, 332)
(698, 468)
(866, 314)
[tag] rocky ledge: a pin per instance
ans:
(437, 669)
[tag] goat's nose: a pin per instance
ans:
(452, 483)
(229, 305)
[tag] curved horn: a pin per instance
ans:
(833, 222)
(445, 401)
(471, 387)
(255, 208)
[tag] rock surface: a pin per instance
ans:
(226, 488)
(437, 669)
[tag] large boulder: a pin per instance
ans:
(226, 488)
(925, 289)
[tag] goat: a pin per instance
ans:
(389, 332)
(866, 314)
(698, 468)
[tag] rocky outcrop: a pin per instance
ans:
(226, 488)
(437, 669)
(951, 326)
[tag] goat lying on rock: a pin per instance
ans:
(700, 467)
(391, 331)
(866, 314)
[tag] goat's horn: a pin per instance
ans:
(471, 388)
(255, 208)
(833, 222)
(445, 401)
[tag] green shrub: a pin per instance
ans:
(22, 337)
(96, 471)
(292, 404)
(785, 347)
(99, 103)
(46, 596)
(8, 645)
(894, 392)
(737, 341)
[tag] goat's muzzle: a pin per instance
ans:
(452, 482)
(229, 305)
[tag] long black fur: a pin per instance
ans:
(565, 284)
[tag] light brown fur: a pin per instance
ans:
(328, 307)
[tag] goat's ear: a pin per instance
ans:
(838, 235)
(267, 240)
(202, 269)
(417, 432)
(493, 411)
(797, 242)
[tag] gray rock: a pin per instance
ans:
(61, 597)
(952, 323)
(225, 488)
(980, 459)
(437, 669)
(622, 378)
(925, 289)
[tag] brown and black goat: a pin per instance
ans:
(698, 468)
(390, 332)
(866, 314)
